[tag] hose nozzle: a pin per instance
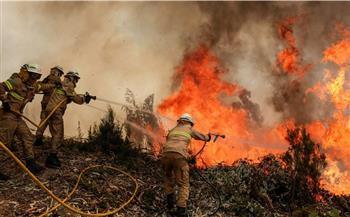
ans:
(216, 136)
(89, 97)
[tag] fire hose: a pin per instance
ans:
(199, 173)
(52, 195)
(63, 202)
(42, 123)
(214, 189)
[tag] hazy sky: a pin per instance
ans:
(137, 45)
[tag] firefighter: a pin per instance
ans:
(53, 78)
(67, 94)
(15, 93)
(175, 158)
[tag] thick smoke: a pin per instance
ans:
(113, 45)
(245, 36)
(119, 45)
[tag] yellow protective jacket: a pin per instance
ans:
(179, 139)
(50, 79)
(18, 94)
(67, 93)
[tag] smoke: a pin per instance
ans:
(113, 45)
(245, 36)
(137, 45)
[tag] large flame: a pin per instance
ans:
(336, 130)
(206, 95)
(201, 93)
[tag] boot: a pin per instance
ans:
(170, 201)
(52, 161)
(38, 141)
(33, 166)
(181, 212)
(4, 177)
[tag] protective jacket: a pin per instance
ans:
(50, 79)
(67, 93)
(17, 93)
(56, 124)
(179, 139)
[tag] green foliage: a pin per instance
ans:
(284, 185)
(108, 134)
(288, 183)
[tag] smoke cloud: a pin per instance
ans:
(245, 36)
(137, 45)
(113, 45)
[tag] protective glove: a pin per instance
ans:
(192, 160)
(88, 98)
(6, 106)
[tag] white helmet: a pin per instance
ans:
(59, 69)
(186, 117)
(73, 74)
(33, 69)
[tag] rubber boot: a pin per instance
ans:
(52, 161)
(170, 204)
(38, 141)
(170, 201)
(4, 177)
(33, 166)
(181, 212)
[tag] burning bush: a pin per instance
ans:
(278, 185)
(305, 162)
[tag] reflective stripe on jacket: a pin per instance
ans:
(18, 94)
(179, 139)
(66, 93)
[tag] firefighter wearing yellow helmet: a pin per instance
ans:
(67, 94)
(174, 160)
(15, 93)
(54, 77)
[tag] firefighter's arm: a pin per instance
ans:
(200, 136)
(3, 90)
(40, 86)
(77, 98)
(5, 87)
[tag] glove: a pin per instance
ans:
(209, 135)
(6, 106)
(88, 98)
(192, 160)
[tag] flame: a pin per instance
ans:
(203, 92)
(289, 58)
(335, 138)
(199, 94)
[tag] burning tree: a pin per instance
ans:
(305, 162)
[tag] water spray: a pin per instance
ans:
(132, 108)
(162, 140)
(135, 126)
